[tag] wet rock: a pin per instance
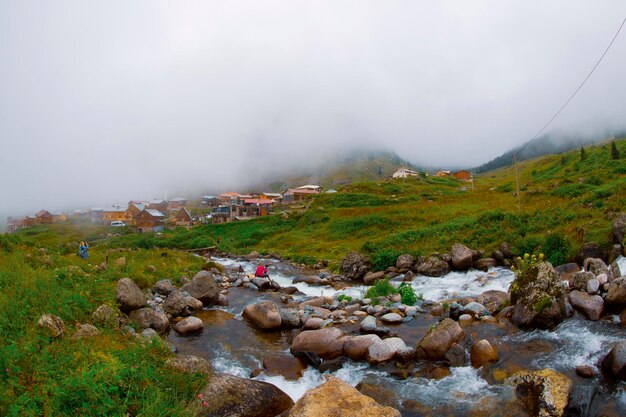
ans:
(439, 339)
(616, 295)
(203, 287)
(104, 315)
(580, 401)
(544, 393)
(309, 358)
(189, 364)
(164, 287)
(595, 266)
(405, 261)
(484, 264)
(506, 250)
(252, 256)
(585, 371)
(337, 399)
(51, 325)
(591, 306)
(222, 300)
(288, 366)
(593, 285)
(391, 318)
(566, 271)
(409, 276)
(356, 347)
(482, 353)
(614, 363)
(578, 280)
(188, 326)
(193, 304)
(455, 356)
(498, 256)
(290, 317)
(461, 257)
(465, 320)
(84, 331)
(474, 309)
(368, 324)
(354, 266)
(432, 266)
(618, 231)
(227, 395)
(129, 295)
(602, 279)
(588, 250)
(493, 300)
(264, 315)
(149, 334)
(539, 298)
(313, 323)
(327, 343)
(262, 283)
(372, 277)
(149, 318)
(614, 253)
(384, 350)
(175, 304)
(308, 279)
(614, 272)
(375, 388)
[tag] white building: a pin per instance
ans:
(404, 173)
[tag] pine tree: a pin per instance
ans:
(614, 151)
(583, 154)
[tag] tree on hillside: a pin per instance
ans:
(583, 154)
(614, 151)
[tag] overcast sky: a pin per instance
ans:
(104, 101)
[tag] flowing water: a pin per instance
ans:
(235, 347)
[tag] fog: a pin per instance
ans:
(101, 102)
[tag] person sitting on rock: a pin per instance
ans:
(261, 272)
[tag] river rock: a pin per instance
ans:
(580, 400)
(545, 393)
(104, 315)
(84, 331)
(439, 339)
(193, 304)
(327, 343)
(616, 295)
(595, 266)
(461, 257)
(368, 324)
(189, 364)
(591, 306)
(337, 399)
(264, 315)
(432, 266)
(614, 272)
(618, 231)
(602, 279)
(405, 261)
(378, 389)
(586, 371)
(289, 367)
(203, 287)
(356, 347)
(614, 253)
(484, 264)
(129, 295)
(52, 325)
(164, 287)
(482, 353)
(371, 277)
(189, 325)
(391, 318)
(148, 318)
(614, 364)
(290, 317)
(308, 279)
(354, 266)
(474, 309)
(566, 271)
(493, 300)
(384, 350)
(593, 285)
(539, 298)
(227, 395)
(588, 250)
(175, 304)
(455, 356)
(313, 323)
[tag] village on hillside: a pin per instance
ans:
(155, 215)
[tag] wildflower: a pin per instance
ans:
(205, 404)
(200, 396)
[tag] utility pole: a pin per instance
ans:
(519, 200)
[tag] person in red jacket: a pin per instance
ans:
(261, 272)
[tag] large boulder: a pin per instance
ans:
(51, 324)
(85, 331)
(289, 317)
(618, 230)
(482, 353)
(614, 363)
(203, 288)
(461, 257)
(148, 318)
(439, 339)
(385, 350)
(308, 279)
(129, 295)
(327, 343)
(264, 315)
(484, 264)
(371, 277)
(591, 306)
(494, 300)
(189, 364)
(616, 296)
(405, 261)
(189, 325)
(164, 287)
(578, 280)
(432, 266)
(539, 298)
(227, 395)
(588, 250)
(596, 266)
(544, 393)
(356, 347)
(354, 266)
(337, 399)
(175, 304)
(104, 315)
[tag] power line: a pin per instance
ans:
(577, 89)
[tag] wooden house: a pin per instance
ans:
(132, 212)
(443, 173)
(96, 214)
(114, 214)
(159, 205)
(222, 214)
(256, 207)
(44, 217)
(311, 187)
(15, 223)
(296, 195)
(176, 203)
(150, 220)
(277, 197)
(183, 217)
(211, 200)
(59, 217)
(463, 175)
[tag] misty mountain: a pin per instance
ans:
(342, 169)
(553, 143)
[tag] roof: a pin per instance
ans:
(260, 201)
(42, 213)
(300, 191)
(139, 206)
(154, 213)
(178, 199)
(273, 194)
(115, 210)
(156, 202)
(208, 197)
(308, 186)
(183, 210)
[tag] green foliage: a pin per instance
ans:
(583, 154)
(556, 248)
(614, 151)
(383, 259)
(407, 293)
(343, 297)
(382, 288)
(523, 264)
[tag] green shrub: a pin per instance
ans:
(384, 259)
(407, 293)
(556, 248)
(343, 297)
(382, 288)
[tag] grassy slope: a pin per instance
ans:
(560, 195)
